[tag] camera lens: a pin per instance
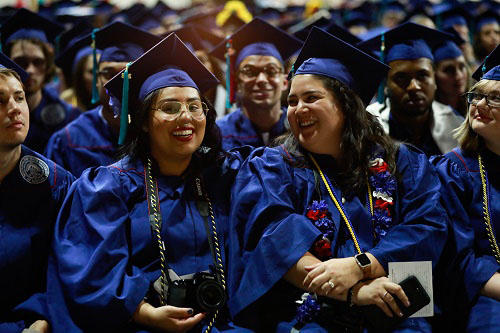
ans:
(210, 295)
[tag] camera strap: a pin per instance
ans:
(204, 207)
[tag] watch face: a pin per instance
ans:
(363, 259)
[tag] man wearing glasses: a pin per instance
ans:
(27, 39)
(258, 51)
(92, 139)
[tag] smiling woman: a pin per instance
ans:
(327, 210)
(471, 187)
(156, 259)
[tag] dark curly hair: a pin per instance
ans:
(362, 133)
(137, 141)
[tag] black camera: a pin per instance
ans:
(202, 293)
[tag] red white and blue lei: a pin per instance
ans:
(383, 185)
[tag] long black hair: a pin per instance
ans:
(137, 141)
(361, 135)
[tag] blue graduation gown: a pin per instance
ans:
(50, 115)
(30, 198)
(468, 251)
(271, 231)
(104, 257)
(237, 130)
(85, 142)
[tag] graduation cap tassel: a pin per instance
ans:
(95, 91)
(483, 68)
(228, 75)
(380, 92)
(124, 114)
(57, 42)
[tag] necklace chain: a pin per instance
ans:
(486, 211)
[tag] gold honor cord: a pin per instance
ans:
(486, 212)
(332, 196)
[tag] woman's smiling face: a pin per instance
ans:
(316, 118)
(178, 138)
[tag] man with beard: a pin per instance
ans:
(26, 38)
(92, 139)
(32, 189)
(258, 51)
(409, 113)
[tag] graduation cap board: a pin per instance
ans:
(326, 55)
(189, 36)
(25, 24)
(491, 62)
(168, 64)
(449, 49)
(258, 38)
(6, 62)
(119, 42)
(407, 41)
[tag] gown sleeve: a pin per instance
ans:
(91, 283)
(474, 269)
(421, 228)
(267, 235)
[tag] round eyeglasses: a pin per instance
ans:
(475, 97)
(173, 109)
(251, 72)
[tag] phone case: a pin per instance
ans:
(418, 297)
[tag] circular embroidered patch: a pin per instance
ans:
(33, 169)
(53, 114)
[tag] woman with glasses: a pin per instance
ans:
(332, 206)
(470, 175)
(141, 244)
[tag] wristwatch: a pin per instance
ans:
(364, 262)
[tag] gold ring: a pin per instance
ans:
(386, 292)
(331, 284)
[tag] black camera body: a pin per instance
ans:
(202, 293)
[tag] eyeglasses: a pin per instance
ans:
(172, 109)
(251, 72)
(475, 97)
(25, 62)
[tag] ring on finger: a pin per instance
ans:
(386, 292)
(332, 285)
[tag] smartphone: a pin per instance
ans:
(418, 297)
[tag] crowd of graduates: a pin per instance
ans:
(236, 167)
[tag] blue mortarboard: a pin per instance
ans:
(168, 64)
(259, 38)
(392, 5)
(491, 61)
(448, 49)
(302, 28)
(121, 42)
(408, 41)
(6, 62)
(203, 19)
(449, 14)
(73, 53)
(356, 17)
(25, 24)
(64, 40)
(190, 37)
(492, 74)
(327, 55)
(487, 17)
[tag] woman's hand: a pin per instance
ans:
(342, 273)
(166, 318)
(379, 292)
(40, 326)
